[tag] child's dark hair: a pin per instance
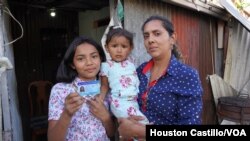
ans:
(65, 72)
(116, 32)
(169, 28)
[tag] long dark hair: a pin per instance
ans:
(65, 72)
(169, 28)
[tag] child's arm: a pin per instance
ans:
(104, 87)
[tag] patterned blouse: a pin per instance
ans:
(124, 85)
(84, 126)
(175, 98)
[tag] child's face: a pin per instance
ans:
(86, 61)
(119, 48)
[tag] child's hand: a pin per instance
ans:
(73, 102)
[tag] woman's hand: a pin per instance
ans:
(73, 103)
(136, 119)
(131, 128)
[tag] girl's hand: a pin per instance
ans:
(73, 102)
(101, 97)
(98, 109)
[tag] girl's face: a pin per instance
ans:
(86, 61)
(119, 48)
(157, 41)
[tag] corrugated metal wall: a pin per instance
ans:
(135, 13)
(237, 69)
(195, 35)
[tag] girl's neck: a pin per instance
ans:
(119, 61)
(86, 79)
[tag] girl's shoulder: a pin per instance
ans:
(61, 86)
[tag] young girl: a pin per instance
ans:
(71, 117)
(119, 74)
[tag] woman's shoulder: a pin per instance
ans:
(140, 67)
(181, 68)
(187, 69)
(186, 80)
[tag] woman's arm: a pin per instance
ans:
(190, 104)
(57, 129)
(98, 109)
(131, 128)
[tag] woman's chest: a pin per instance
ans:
(160, 95)
(161, 101)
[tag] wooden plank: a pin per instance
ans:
(220, 88)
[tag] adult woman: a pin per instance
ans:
(71, 117)
(170, 91)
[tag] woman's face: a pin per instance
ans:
(86, 61)
(157, 41)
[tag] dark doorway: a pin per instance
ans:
(54, 43)
(39, 52)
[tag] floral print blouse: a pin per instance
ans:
(84, 126)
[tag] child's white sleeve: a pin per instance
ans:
(104, 69)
